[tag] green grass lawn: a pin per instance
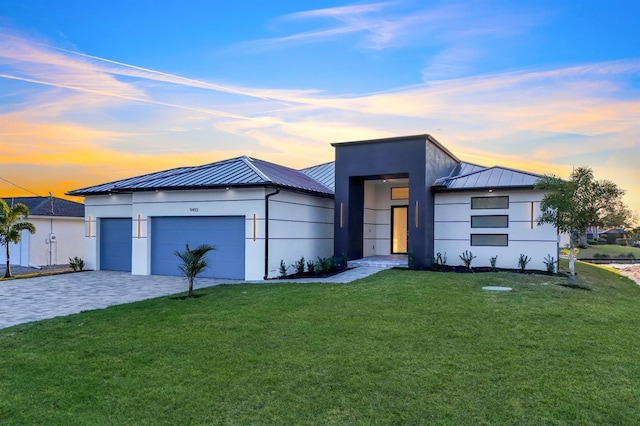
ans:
(401, 347)
(609, 249)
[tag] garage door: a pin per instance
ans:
(226, 233)
(115, 244)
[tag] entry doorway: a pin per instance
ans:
(399, 229)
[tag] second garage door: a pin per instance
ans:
(226, 233)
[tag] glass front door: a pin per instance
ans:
(399, 229)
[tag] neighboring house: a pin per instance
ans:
(59, 232)
(612, 235)
(380, 197)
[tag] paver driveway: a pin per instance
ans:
(33, 299)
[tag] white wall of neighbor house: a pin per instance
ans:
(39, 249)
(453, 229)
(300, 225)
(18, 253)
(68, 240)
(377, 215)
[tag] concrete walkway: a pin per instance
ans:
(33, 299)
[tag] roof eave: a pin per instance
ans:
(200, 187)
(440, 188)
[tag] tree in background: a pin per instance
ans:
(12, 223)
(574, 205)
(193, 262)
(618, 215)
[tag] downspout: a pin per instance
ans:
(266, 232)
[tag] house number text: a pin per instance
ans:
(193, 209)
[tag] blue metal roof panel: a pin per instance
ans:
(236, 171)
(291, 178)
(106, 187)
(323, 173)
(494, 177)
(229, 172)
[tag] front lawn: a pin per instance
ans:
(610, 250)
(401, 347)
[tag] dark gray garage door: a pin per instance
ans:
(226, 233)
(115, 244)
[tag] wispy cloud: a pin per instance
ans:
(569, 112)
(399, 23)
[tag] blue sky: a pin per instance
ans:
(93, 91)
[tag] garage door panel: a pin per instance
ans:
(226, 233)
(115, 244)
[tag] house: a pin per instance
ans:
(615, 234)
(59, 232)
(379, 197)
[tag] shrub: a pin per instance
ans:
(340, 262)
(622, 241)
(76, 264)
(493, 260)
(311, 267)
(594, 243)
(283, 269)
(411, 260)
(550, 263)
(631, 255)
(467, 257)
(322, 264)
(583, 246)
(298, 266)
(439, 261)
(523, 261)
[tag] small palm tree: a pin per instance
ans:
(193, 262)
(11, 225)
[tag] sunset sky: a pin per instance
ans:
(94, 91)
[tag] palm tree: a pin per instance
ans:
(193, 262)
(11, 225)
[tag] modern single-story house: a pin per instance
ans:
(379, 197)
(59, 232)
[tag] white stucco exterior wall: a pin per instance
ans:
(300, 224)
(37, 250)
(68, 242)
(453, 229)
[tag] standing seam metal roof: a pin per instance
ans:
(478, 177)
(237, 171)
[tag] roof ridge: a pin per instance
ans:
(516, 170)
(494, 167)
(249, 162)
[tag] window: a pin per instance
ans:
(494, 221)
(489, 202)
(400, 193)
(489, 240)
